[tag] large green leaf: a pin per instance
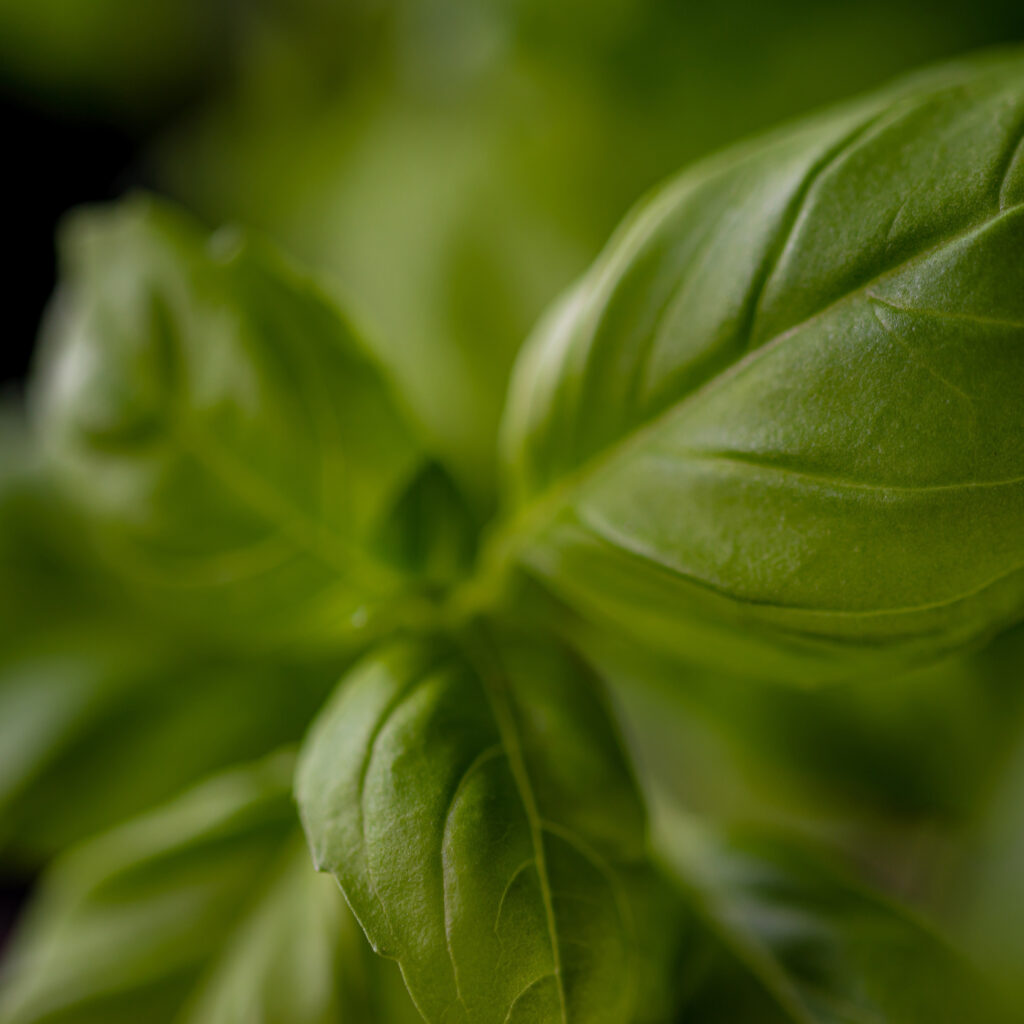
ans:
(206, 911)
(228, 428)
(486, 832)
(781, 414)
(789, 940)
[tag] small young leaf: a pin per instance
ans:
(486, 832)
(206, 911)
(779, 422)
(227, 426)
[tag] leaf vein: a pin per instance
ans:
(627, 545)
(550, 501)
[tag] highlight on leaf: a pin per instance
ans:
(770, 422)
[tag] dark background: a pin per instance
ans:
(54, 161)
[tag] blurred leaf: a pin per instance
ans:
(789, 939)
(50, 579)
(987, 893)
(235, 442)
(488, 836)
(431, 528)
(102, 713)
(205, 911)
(87, 741)
(908, 749)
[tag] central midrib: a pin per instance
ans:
(478, 649)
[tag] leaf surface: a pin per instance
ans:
(484, 828)
(781, 414)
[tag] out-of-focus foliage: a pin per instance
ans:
(240, 492)
(788, 938)
(104, 711)
(230, 432)
(988, 890)
(205, 911)
(917, 747)
(456, 164)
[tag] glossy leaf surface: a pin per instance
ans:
(485, 830)
(781, 414)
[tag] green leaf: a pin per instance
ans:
(779, 420)
(862, 751)
(987, 890)
(456, 181)
(431, 528)
(790, 940)
(206, 911)
(487, 834)
(103, 714)
(51, 583)
(89, 737)
(229, 430)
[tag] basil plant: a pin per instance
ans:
(254, 623)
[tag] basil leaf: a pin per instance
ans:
(790, 940)
(228, 428)
(431, 528)
(89, 738)
(206, 911)
(988, 889)
(862, 751)
(779, 420)
(51, 583)
(486, 832)
(102, 714)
